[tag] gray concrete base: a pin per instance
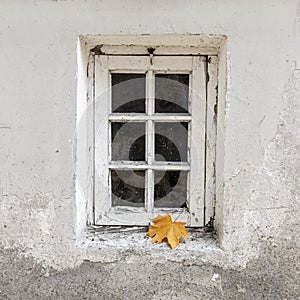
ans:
(274, 275)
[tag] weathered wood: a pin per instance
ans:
(164, 166)
(149, 190)
(198, 110)
(156, 117)
(90, 149)
(211, 131)
(196, 66)
(102, 106)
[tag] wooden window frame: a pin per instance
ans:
(203, 70)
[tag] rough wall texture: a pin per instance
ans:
(39, 257)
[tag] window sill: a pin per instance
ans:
(135, 238)
(133, 244)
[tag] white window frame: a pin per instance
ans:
(203, 70)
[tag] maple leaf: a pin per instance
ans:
(165, 228)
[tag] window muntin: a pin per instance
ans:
(129, 189)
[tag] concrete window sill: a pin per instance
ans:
(119, 237)
(102, 245)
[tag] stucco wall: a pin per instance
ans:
(260, 214)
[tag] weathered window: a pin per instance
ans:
(154, 136)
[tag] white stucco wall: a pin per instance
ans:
(38, 80)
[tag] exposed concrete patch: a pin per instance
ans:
(263, 198)
(273, 276)
(29, 224)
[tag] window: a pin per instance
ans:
(154, 135)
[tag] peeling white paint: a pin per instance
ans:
(215, 277)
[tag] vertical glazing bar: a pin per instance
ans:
(150, 140)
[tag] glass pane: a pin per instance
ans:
(128, 188)
(171, 93)
(128, 93)
(128, 141)
(170, 189)
(171, 140)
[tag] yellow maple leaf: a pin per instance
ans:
(165, 228)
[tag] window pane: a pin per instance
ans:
(170, 189)
(128, 93)
(128, 141)
(171, 93)
(128, 188)
(171, 140)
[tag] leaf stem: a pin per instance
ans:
(179, 214)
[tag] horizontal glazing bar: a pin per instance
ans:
(126, 71)
(134, 165)
(156, 117)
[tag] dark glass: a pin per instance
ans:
(128, 188)
(171, 93)
(171, 140)
(170, 189)
(128, 141)
(128, 93)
